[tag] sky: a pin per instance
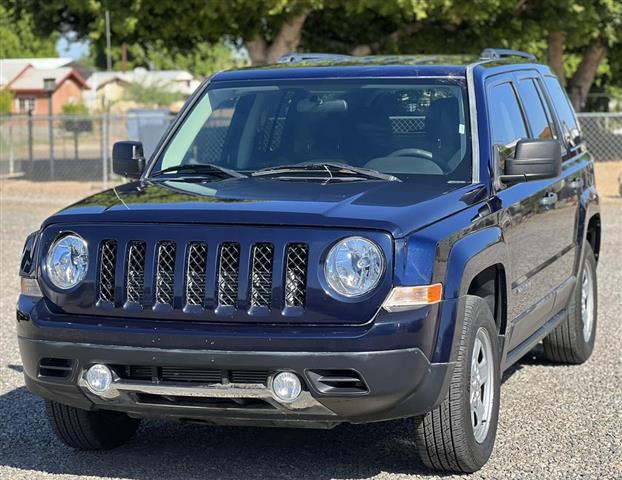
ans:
(72, 49)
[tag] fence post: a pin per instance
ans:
(51, 137)
(30, 153)
(104, 148)
(11, 152)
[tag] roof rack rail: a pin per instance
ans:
(496, 53)
(305, 57)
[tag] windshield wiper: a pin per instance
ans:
(200, 169)
(328, 169)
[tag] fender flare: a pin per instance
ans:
(467, 257)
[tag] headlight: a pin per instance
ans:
(354, 266)
(67, 261)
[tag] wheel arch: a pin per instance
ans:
(471, 261)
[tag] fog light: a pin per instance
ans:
(98, 378)
(286, 386)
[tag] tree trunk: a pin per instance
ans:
(555, 54)
(581, 82)
(287, 40)
(257, 50)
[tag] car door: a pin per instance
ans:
(532, 219)
(560, 205)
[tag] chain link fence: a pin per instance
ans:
(603, 132)
(72, 147)
(65, 147)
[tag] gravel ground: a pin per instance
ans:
(556, 421)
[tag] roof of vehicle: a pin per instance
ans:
(370, 66)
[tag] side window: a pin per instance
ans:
(568, 121)
(507, 123)
(537, 114)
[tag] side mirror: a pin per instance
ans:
(534, 159)
(128, 159)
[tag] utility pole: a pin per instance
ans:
(108, 53)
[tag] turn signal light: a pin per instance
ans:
(405, 298)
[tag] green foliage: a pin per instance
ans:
(203, 60)
(75, 109)
(76, 119)
(152, 94)
(6, 100)
(18, 37)
(195, 34)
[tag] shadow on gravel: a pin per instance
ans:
(173, 450)
(534, 357)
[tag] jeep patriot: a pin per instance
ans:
(329, 239)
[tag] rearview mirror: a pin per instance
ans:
(534, 159)
(128, 159)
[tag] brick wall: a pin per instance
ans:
(68, 92)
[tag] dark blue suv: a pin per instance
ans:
(326, 240)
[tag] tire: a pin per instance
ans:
(569, 343)
(445, 437)
(90, 430)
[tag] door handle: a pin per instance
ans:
(549, 199)
(576, 183)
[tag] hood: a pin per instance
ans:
(395, 207)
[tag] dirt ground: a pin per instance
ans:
(556, 422)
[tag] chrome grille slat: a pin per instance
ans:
(261, 275)
(162, 260)
(296, 274)
(135, 282)
(107, 268)
(196, 268)
(228, 274)
(165, 273)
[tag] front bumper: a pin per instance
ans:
(399, 383)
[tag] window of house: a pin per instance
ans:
(25, 104)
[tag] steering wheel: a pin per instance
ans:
(411, 152)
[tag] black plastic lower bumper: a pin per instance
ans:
(399, 383)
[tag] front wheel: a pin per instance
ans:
(459, 434)
(90, 430)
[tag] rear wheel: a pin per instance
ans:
(573, 340)
(90, 430)
(459, 434)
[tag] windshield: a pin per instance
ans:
(409, 128)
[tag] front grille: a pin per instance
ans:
(296, 275)
(107, 262)
(135, 283)
(228, 274)
(202, 376)
(196, 268)
(150, 274)
(174, 374)
(261, 277)
(165, 273)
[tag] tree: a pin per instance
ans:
(583, 29)
(153, 94)
(576, 36)
(17, 35)
(6, 100)
(268, 28)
